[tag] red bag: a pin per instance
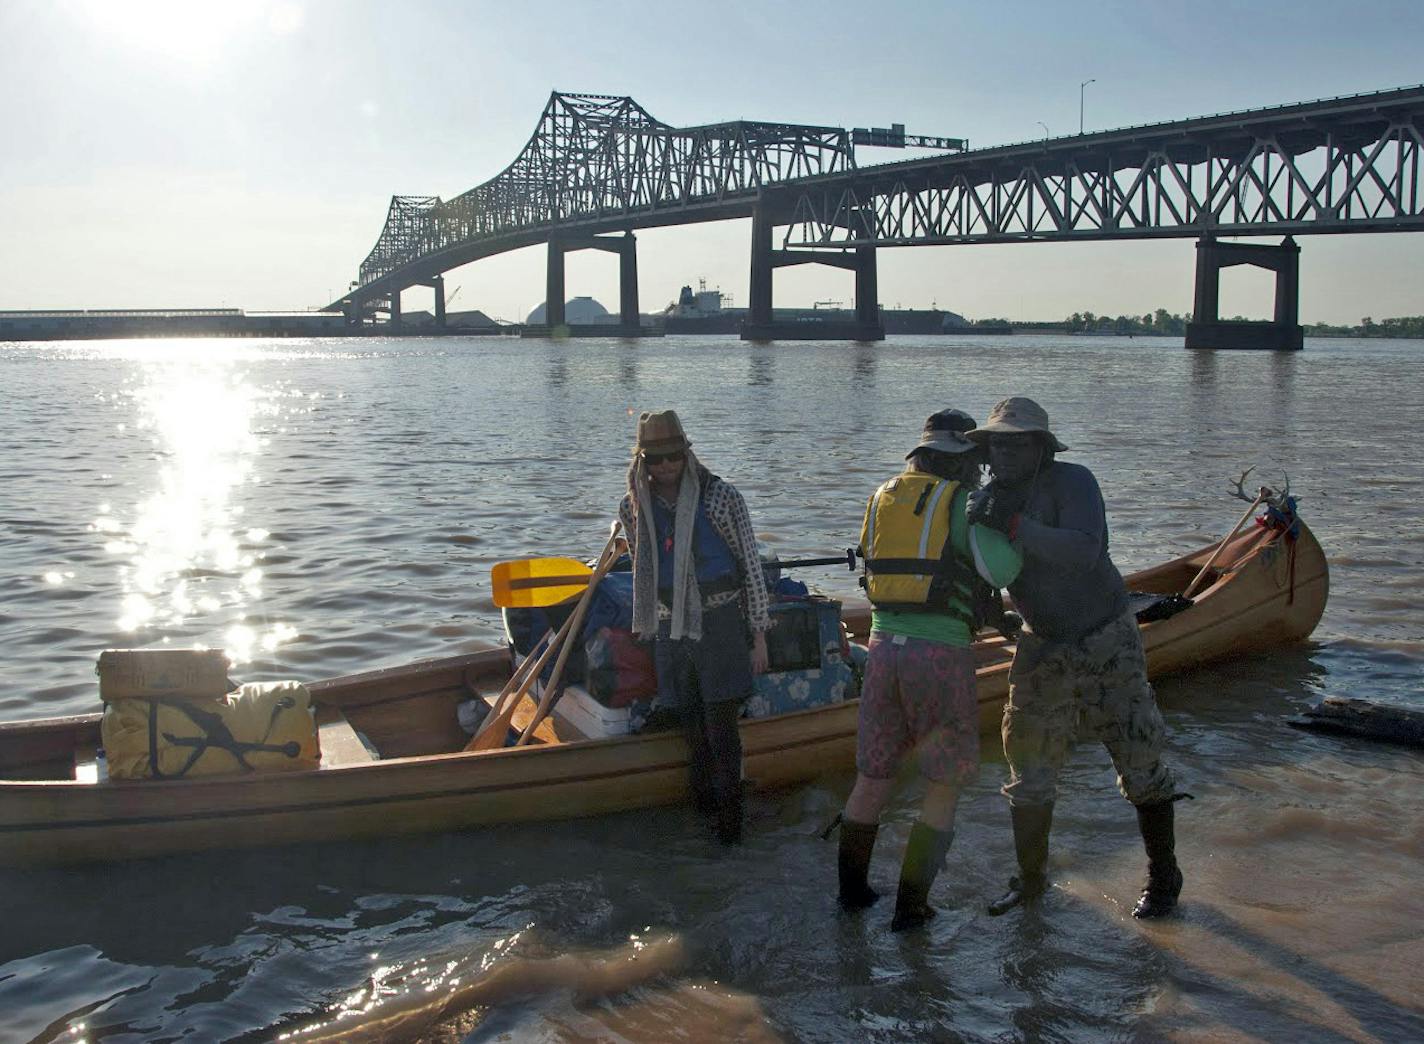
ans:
(620, 668)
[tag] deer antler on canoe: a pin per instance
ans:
(1265, 494)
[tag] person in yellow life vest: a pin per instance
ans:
(919, 693)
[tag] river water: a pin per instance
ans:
(319, 508)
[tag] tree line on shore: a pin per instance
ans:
(1164, 323)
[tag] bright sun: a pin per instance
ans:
(194, 32)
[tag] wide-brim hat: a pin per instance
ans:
(660, 431)
(945, 432)
(1016, 415)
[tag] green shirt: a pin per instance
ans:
(936, 627)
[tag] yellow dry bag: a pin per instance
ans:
(263, 727)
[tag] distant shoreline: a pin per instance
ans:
(233, 323)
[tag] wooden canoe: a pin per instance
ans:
(1263, 591)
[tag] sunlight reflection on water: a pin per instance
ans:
(181, 547)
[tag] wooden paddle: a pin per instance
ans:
(1191, 587)
(537, 582)
(496, 724)
(493, 731)
(551, 688)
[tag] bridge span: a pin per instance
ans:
(598, 164)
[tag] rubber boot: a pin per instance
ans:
(699, 763)
(924, 857)
(1032, 824)
(724, 744)
(1164, 876)
(853, 862)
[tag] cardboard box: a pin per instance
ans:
(194, 674)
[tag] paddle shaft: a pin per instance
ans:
(551, 689)
(847, 560)
(492, 732)
(1222, 546)
(496, 724)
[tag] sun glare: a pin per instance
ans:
(196, 33)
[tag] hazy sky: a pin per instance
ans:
(187, 153)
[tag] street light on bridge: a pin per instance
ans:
(1045, 128)
(1081, 88)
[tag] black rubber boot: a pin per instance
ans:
(924, 857)
(1032, 824)
(853, 862)
(1164, 876)
(729, 818)
(699, 763)
(724, 743)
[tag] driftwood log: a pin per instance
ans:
(1376, 721)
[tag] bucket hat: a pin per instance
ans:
(945, 431)
(1016, 415)
(660, 431)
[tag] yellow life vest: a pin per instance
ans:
(906, 539)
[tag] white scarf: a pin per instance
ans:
(686, 598)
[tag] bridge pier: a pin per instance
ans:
(1208, 330)
(395, 308)
(555, 316)
(760, 324)
(437, 284)
(554, 286)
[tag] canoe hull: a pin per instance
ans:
(68, 822)
(1271, 594)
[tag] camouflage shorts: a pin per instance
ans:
(1096, 686)
(918, 694)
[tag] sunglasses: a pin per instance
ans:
(675, 457)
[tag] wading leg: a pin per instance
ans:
(724, 742)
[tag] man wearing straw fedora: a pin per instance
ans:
(1079, 665)
(699, 593)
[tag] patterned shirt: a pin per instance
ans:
(727, 511)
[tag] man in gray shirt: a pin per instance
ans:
(1079, 662)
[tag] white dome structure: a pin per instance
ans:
(577, 310)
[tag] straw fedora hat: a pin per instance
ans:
(660, 431)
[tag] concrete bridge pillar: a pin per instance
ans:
(629, 321)
(867, 288)
(759, 298)
(554, 285)
(395, 308)
(628, 281)
(761, 324)
(438, 285)
(1208, 330)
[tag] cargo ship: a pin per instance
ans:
(705, 311)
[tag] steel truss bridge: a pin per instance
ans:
(597, 164)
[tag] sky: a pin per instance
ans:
(192, 153)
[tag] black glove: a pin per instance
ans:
(994, 506)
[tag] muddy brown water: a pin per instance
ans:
(323, 507)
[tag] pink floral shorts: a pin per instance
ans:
(919, 694)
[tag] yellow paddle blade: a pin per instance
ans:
(538, 582)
